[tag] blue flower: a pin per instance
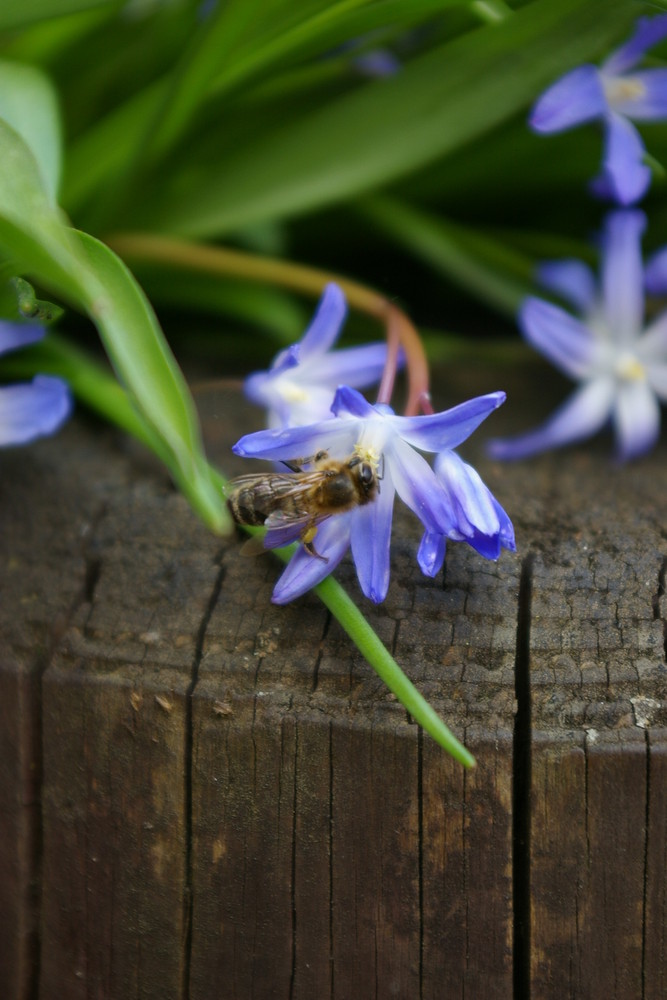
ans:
(388, 442)
(300, 385)
(622, 367)
(612, 94)
(476, 515)
(33, 409)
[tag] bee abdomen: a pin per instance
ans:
(242, 508)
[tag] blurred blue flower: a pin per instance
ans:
(300, 385)
(388, 442)
(622, 367)
(612, 94)
(32, 409)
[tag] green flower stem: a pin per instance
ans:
(351, 620)
(155, 249)
(379, 657)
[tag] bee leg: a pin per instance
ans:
(297, 464)
(307, 539)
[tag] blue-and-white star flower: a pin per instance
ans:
(615, 94)
(622, 366)
(30, 410)
(477, 517)
(300, 385)
(389, 443)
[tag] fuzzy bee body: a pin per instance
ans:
(302, 499)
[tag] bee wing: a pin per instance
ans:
(285, 528)
(269, 490)
(273, 487)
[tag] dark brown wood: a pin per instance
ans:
(39, 589)
(204, 794)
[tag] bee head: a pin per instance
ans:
(366, 475)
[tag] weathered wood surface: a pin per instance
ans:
(205, 796)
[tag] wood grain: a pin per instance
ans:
(203, 794)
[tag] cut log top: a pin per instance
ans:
(247, 800)
(107, 569)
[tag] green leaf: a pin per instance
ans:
(90, 276)
(139, 353)
(17, 13)
(29, 104)
(491, 271)
(384, 130)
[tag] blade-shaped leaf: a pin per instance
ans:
(29, 104)
(496, 274)
(90, 276)
(17, 13)
(390, 127)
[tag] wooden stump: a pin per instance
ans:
(205, 795)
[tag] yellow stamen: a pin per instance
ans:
(366, 454)
(622, 89)
(293, 393)
(630, 369)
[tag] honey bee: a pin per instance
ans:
(288, 500)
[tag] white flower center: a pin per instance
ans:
(291, 392)
(368, 454)
(629, 368)
(623, 89)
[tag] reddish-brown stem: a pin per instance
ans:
(148, 247)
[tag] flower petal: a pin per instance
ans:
(584, 413)
(623, 275)
(305, 571)
(441, 431)
(419, 488)
(290, 357)
(652, 345)
(370, 537)
(576, 98)
(33, 409)
(289, 443)
(354, 366)
(349, 401)
(624, 177)
(326, 323)
(15, 335)
(648, 96)
(572, 280)
(562, 338)
(431, 554)
(478, 516)
(636, 419)
(648, 31)
(655, 273)
(656, 376)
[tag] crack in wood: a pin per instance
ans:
(521, 792)
(318, 660)
(647, 827)
(331, 863)
(84, 595)
(295, 804)
(656, 603)
(188, 763)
